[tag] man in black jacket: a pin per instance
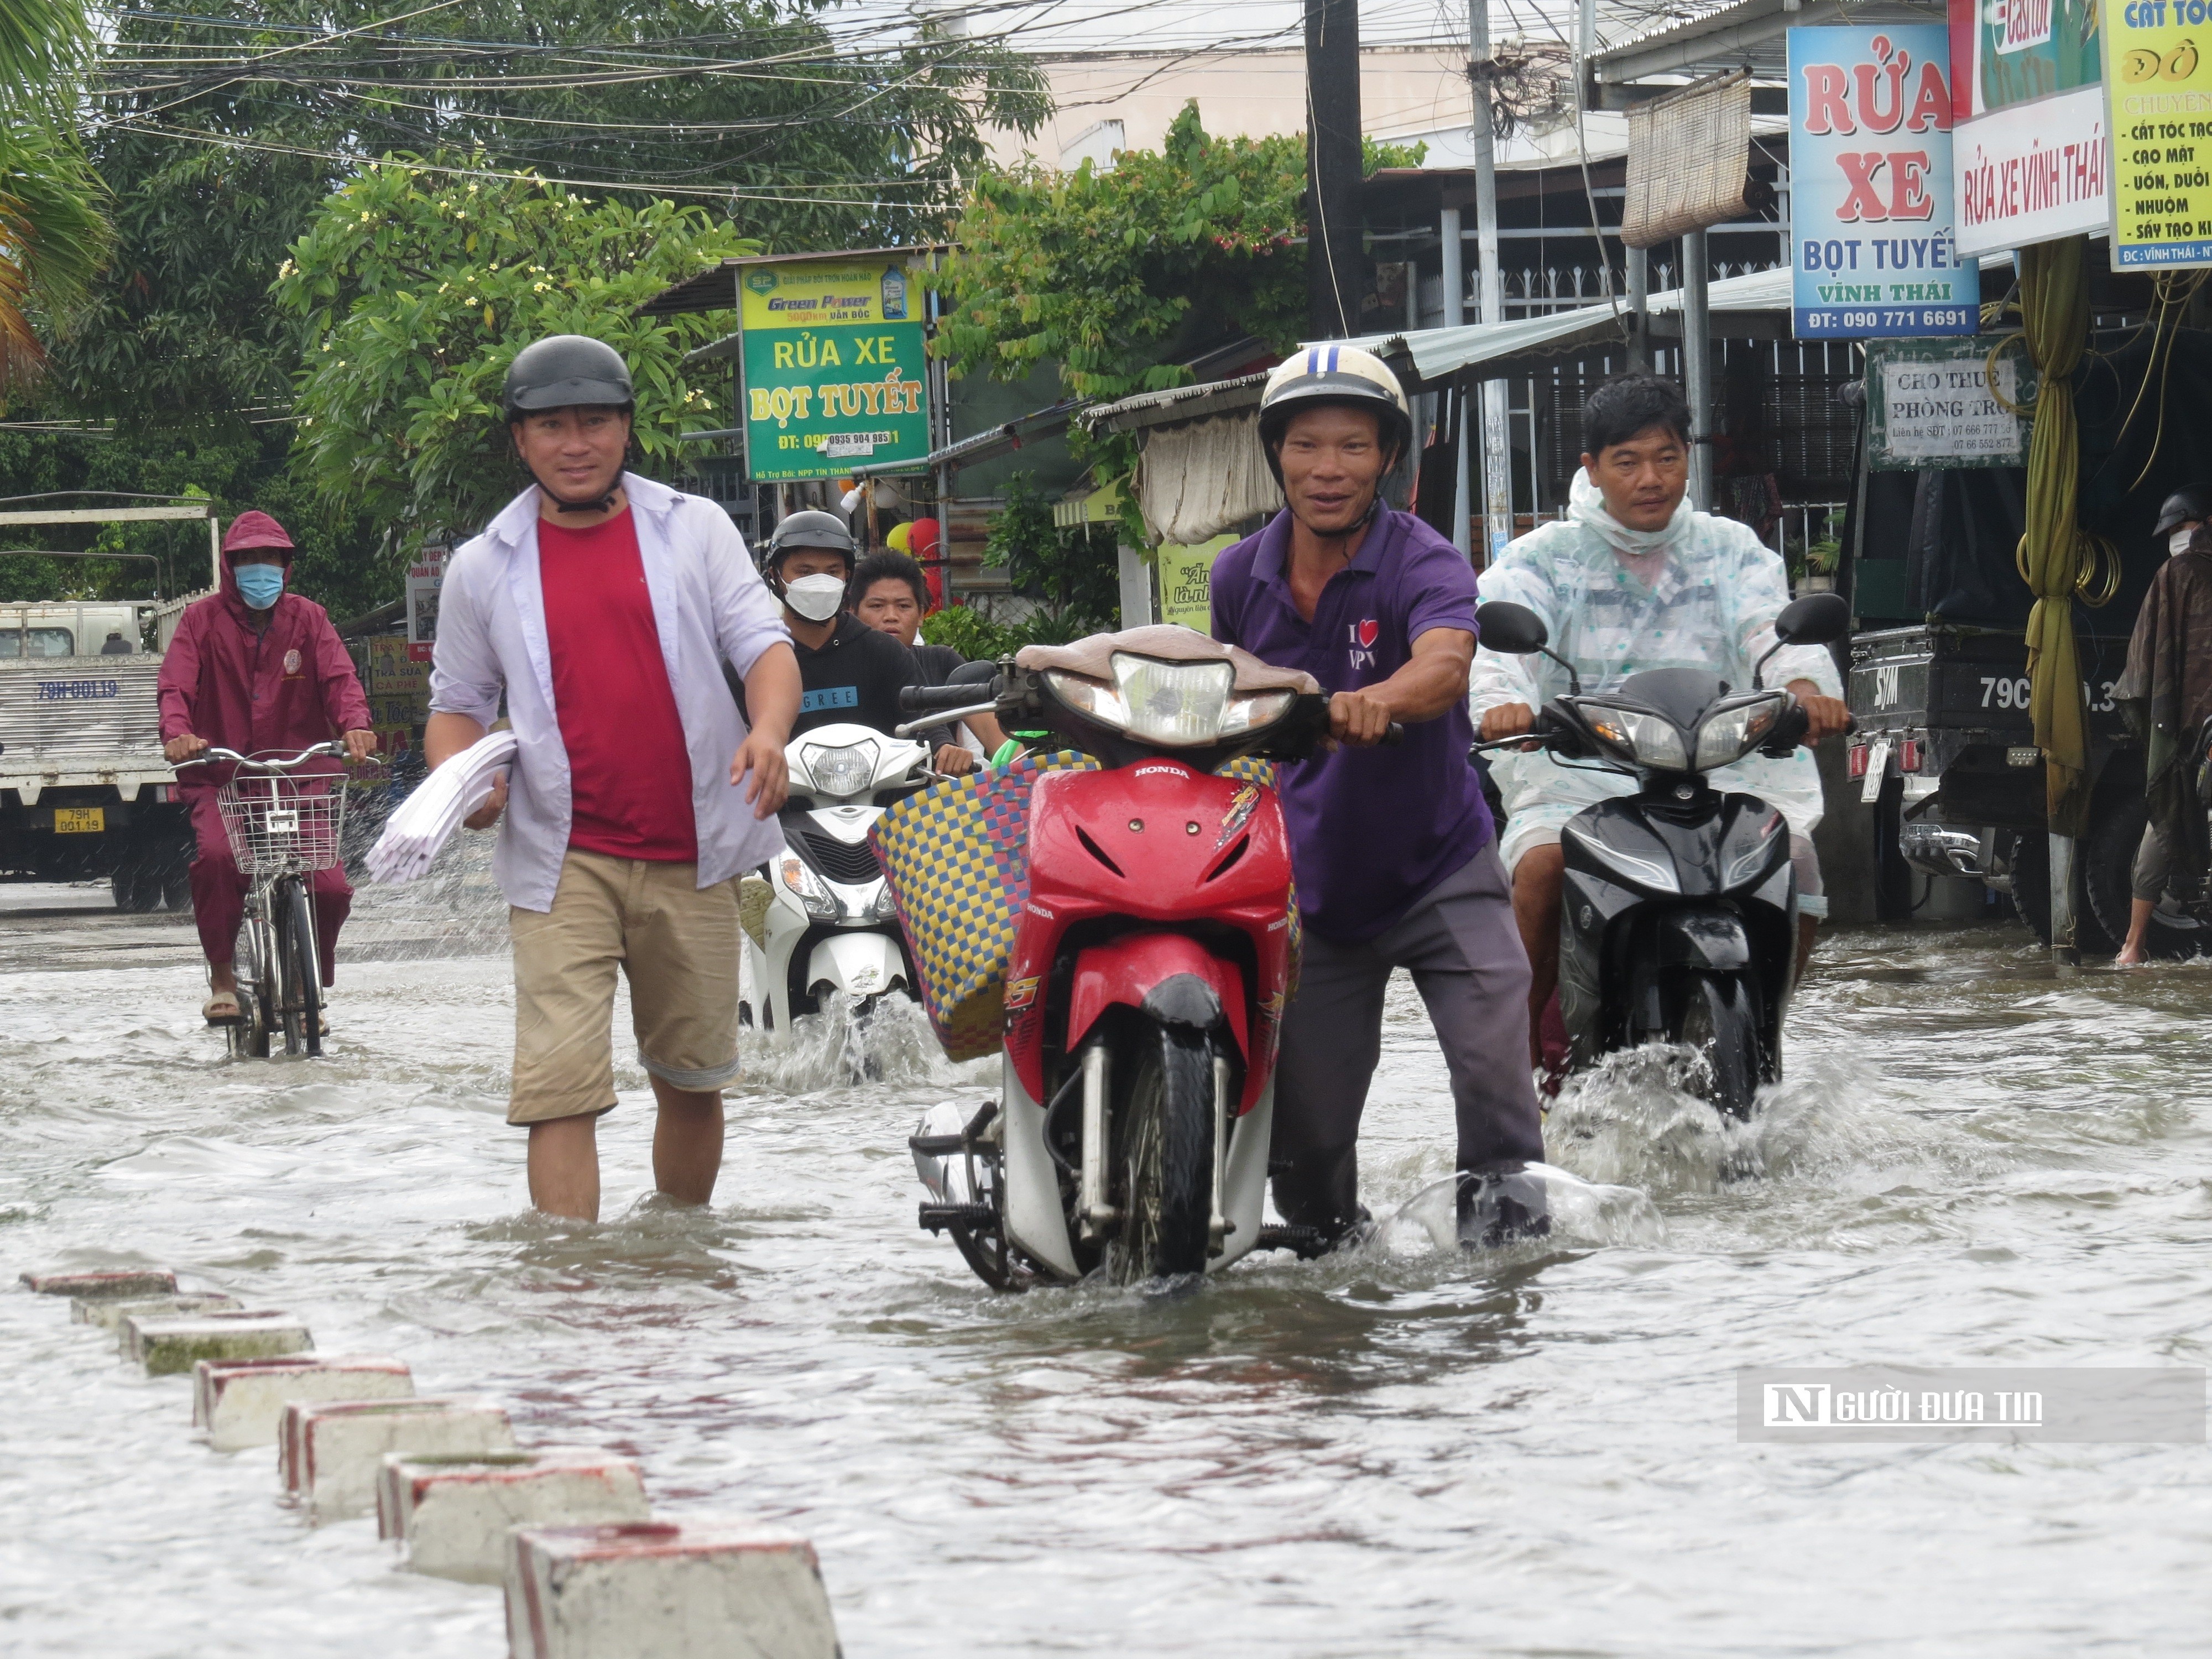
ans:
(848, 671)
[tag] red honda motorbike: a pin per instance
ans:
(1150, 966)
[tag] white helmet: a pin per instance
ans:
(1321, 375)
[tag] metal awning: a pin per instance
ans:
(1749, 34)
(987, 444)
(1181, 402)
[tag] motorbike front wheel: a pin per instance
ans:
(1163, 1154)
(1717, 1025)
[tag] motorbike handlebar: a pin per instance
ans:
(935, 699)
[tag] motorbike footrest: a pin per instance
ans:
(974, 1217)
(1305, 1243)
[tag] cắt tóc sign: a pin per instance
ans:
(2158, 87)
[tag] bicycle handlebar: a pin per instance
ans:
(213, 753)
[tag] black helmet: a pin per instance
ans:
(1333, 374)
(2191, 502)
(812, 528)
(562, 371)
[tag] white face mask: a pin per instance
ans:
(817, 599)
(2178, 543)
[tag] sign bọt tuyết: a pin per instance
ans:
(1871, 186)
(836, 367)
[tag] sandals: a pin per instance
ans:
(221, 1009)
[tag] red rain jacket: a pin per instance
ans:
(282, 690)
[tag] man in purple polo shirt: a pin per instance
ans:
(1394, 848)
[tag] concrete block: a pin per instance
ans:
(704, 1589)
(454, 1512)
(241, 1402)
(139, 1281)
(329, 1453)
(167, 1346)
(109, 1313)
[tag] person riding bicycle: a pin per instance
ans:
(853, 673)
(260, 671)
(1393, 845)
(890, 595)
(600, 607)
(1635, 579)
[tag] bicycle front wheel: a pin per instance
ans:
(303, 975)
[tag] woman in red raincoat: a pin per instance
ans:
(257, 670)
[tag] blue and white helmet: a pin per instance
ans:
(1319, 375)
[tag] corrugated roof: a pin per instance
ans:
(1181, 402)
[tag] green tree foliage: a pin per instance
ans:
(1071, 575)
(413, 292)
(52, 239)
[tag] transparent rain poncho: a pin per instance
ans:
(1701, 594)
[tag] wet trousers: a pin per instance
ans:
(219, 892)
(1460, 944)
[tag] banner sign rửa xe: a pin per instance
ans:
(1870, 203)
(836, 368)
(2030, 145)
(2159, 86)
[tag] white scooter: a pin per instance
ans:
(819, 918)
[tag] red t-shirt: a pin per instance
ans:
(630, 775)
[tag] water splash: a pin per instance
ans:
(877, 1039)
(1582, 1211)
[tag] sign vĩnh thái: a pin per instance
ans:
(835, 370)
(2158, 85)
(2030, 147)
(1930, 404)
(1871, 191)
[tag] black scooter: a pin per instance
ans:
(1679, 910)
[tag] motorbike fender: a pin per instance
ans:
(1036, 1224)
(1244, 1186)
(861, 962)
(1169, 976)
(1703, 939)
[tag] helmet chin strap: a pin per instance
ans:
(590, 504)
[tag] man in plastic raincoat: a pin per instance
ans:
(1633, 579)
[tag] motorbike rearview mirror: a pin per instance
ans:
(1816, 619)
(973, 673)
(1515, 629)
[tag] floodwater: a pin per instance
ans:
(1400, 1451)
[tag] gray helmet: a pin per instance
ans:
(1342, 375)
(2193, 501)
(562, 371)
(812, 528)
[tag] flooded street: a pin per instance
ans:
(1398, 1451)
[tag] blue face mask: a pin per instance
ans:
(259, 585)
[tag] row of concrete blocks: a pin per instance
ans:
(588, 1573)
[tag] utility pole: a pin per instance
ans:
(1698, 369)
(1455, 284)
(1336, 273)
(1497, 449)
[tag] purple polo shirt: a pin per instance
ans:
(1371, 830)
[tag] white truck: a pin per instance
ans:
(84, 792)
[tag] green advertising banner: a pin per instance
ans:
(1186, 582)
(836, 375)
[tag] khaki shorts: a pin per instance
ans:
(679, 943)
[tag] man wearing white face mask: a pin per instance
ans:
(849, 672)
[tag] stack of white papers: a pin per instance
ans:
(414, 832)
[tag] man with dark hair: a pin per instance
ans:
(1635, 579)
(598, 607)
(890, 595)
(1392, 844)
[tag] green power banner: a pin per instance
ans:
(836, 373)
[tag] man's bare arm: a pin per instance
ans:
(1432, 680)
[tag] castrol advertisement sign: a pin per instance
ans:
(1871, 219)
(2032, 148)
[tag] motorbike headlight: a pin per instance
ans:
(1176, 703)
(886, 908)
(845, 771)
(815, 898)
(1646, 739)
(1732, 732)
(1250, 711)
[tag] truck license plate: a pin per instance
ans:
(80, 820)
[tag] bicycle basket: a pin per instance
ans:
(282, 826)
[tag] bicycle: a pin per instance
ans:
(282, 829)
